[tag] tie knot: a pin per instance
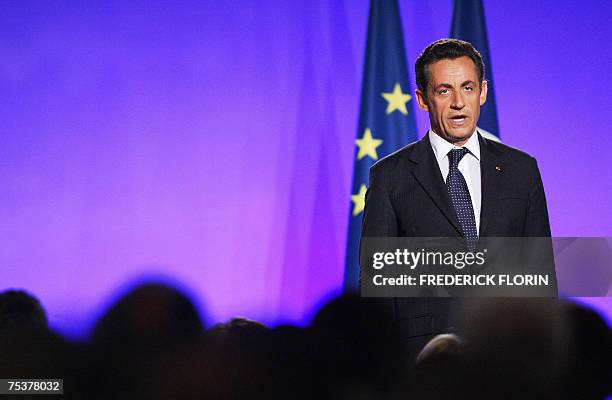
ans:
(455, 155)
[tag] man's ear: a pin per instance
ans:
(483, 92)
(422, 100)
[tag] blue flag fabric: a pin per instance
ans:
(386, 120)
(469, 25)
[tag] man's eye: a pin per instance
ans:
(443, 91)
(469, 88)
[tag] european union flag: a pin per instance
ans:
(386, 120)
(469, 25)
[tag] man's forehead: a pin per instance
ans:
(451, 70)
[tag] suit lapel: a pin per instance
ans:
(491, 171)
(427, 173)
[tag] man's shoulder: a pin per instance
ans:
(508, 153)
(395, 160)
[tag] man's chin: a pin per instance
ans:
(458, 137)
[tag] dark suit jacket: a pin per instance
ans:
(407, 197)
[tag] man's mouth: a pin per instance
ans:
(458, 120)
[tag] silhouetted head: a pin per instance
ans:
(151, 314)
(438, 371)
(518, 346)
(20, 310)
(442, 345)
(239, 327)
(589, 354)
(357, 345)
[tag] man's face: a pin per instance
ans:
(453, 98)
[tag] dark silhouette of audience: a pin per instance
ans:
(588, 372)
(136, 337)
(439, 372)
(20, 310)
(28, 349)
(153, 344)
(518, 347)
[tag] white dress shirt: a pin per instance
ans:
(469, 166)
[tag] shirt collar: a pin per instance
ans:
(441, 147)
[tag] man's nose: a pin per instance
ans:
(457, 102)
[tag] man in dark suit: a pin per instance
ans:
(453, 182)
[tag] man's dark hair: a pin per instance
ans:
(445, 49)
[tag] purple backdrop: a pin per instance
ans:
(213, 142)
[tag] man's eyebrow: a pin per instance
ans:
(443, 85)
(449, 86)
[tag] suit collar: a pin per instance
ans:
(428, 174)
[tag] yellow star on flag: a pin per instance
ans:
(397, 100)
(367, 145)
(359, 200)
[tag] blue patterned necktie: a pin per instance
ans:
(460, 197)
